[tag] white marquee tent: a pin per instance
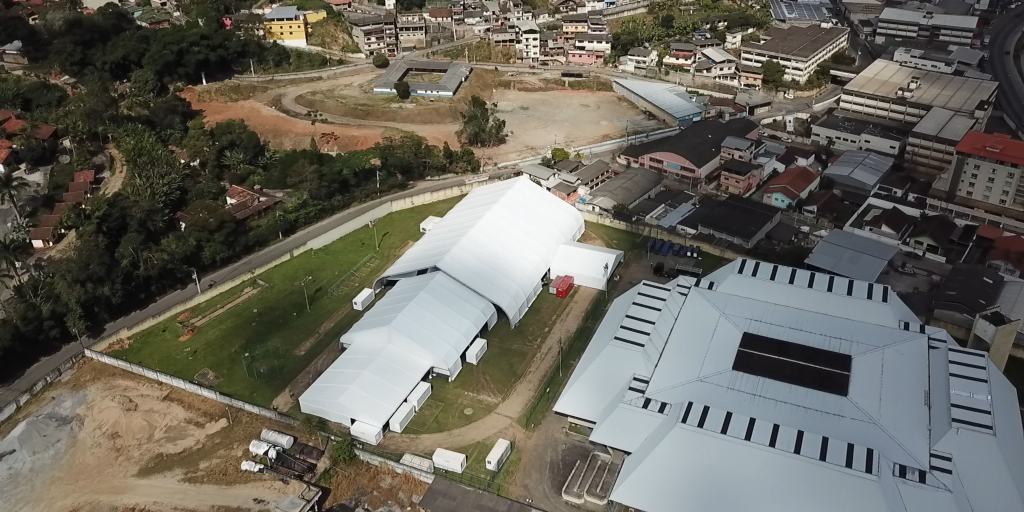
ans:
(499, 242)
(424, 323)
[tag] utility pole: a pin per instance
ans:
(244, 365)
(304, 293)
(376, 244)
(559, 356)
(195, 275)
(252, 68)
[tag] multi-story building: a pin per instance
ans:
(932, 143)
(927, 61)
(638, 59)
(690, 154)
(374, 33)
(412, 30)
(739, 177)
(798, 49)
(988, 170)
(285, 25)
(846, 132)
(716, 64)
(596, 24)
(575, 23)
(601, 43)
(887, 90)
(527, 41)
(896, 24)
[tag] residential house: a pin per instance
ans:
(681, 55)
(412, 30)
(716, 64)
(573, 24)
(527, 40)
(583, 57)
(638, 60)
(739, 177)
(43, 238)
(932, 234)
(892, 222)
(243, 203)
(568, 167)
(569, 6)
(790, 187)
(601, 43)
(593, 175)
(566, 192)
(690, 154)
(543, 176)
(704, 43)
(738, 220)
(739, 148)
(750, 77)
(734, 38)
(551, 46)
(472, 17)
(596, 24)
(13, 53)
(439, 15)
(375, 33)
(340, 5)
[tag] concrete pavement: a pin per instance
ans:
(241, 267)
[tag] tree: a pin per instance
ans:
(13, 250)
(11, 187)
(559, 154)
(480, 127)
(402, 90)
(380, 60)
(774, 75)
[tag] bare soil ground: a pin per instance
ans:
(107, 440)
(539, 113)
(362, 484)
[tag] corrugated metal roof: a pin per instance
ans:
(670, 98)
(851, 255)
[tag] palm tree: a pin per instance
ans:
(12, 251)
(11, 187)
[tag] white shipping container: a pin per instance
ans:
(363, 300)
(476, 351)
(401, 418)
(449, 460)
(498, 455)
(366, 433)
(277, 438)
(419, 395)
(429, 223)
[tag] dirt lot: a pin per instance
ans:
(539, 113)
(106, 440)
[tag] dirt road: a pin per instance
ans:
(503, 418)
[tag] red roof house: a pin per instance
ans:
(74, 197)
(792, 185)
(14, 125)
(85, 175)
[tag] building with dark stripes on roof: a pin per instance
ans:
(770, 388)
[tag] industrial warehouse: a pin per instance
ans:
(822, 392)
(492, 252)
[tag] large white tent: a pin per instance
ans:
(423, 324)
(764, 387)
(499, 242)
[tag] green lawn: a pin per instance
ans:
(478, 389)
(273, 323)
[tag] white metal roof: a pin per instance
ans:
(851, 255)
(911, 433)
(498, 242)
(671, 98)
(859, 168)
(424, 322)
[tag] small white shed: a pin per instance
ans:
(419, 395)
(366, 433)
(449, 460)
(429, 223)
(402, 417)
(363, 300)
(476, 350)
(498, 455)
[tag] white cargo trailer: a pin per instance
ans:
(366, 433)
(419, 395)
(449, 460)
(498, 455)
(402, 417)
(363, 300)
(476, 350)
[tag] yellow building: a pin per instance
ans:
(286, 25)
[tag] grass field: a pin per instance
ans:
(255, 348)
(476, 473)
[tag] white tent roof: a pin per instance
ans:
(589, 263)
(498, 241)
(424, 322)
(922, 425)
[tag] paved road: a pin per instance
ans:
(263, 257)
(1003, 63)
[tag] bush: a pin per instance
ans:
(380, 60)
(402, 90)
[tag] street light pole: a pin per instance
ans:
(195, 275)
(245, 366)
(376, 244)
(304, 293)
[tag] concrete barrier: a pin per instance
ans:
(12, 407)
(376, 460)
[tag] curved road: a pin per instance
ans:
(241, 267)
(1003, 62)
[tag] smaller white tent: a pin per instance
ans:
(424, 323)
(589, 265)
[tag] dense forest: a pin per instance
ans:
(130, 246)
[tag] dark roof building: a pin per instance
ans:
(739, 220)
(692, 152)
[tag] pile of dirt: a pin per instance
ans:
(375, 487)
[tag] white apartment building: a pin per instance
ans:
(988, 169)
(594, 42)
(528, 41)
(638, 60)
(897, 24)
(798, 49)
(887, 90)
